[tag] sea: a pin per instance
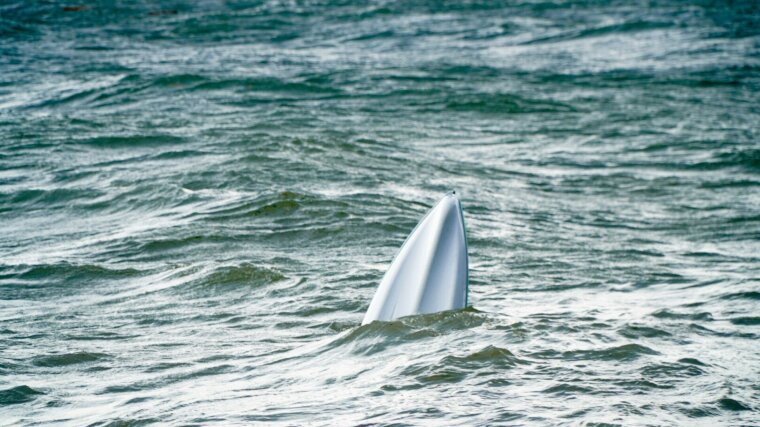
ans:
(198, 200)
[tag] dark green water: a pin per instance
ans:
(197, 201)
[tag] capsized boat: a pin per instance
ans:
(430, 271)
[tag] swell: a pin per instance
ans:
(624, 352)
(64, 271)
(616, 29)
(68, 359)
(45, 198)
(18, 394)
(46, 281)
(134, 90)
(506, 103)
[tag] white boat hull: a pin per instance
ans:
(430, 271)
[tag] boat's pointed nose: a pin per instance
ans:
(449, 205)
(429, 273)
(453, 196)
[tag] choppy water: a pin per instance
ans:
(197, 202)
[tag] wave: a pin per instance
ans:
(68, 359)
(500, 103)
(618, 353)
(68, 272)
(19, 394)
(247, 274)
(619, 28)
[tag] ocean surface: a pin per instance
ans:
(199, 199)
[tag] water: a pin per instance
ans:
(198, 200)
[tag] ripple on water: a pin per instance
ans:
(671, 370)
(127, 422)
(746, 320)
(68, 359)
(624, 352)
(130, 141)
(245, 274)
(566, 389)
(19, 394)
(72, 272)
(491, 361)
(46, 281)
(640, 331)
(675, 315)
(377, 336)
(733, 404)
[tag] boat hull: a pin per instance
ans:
(430, 271)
